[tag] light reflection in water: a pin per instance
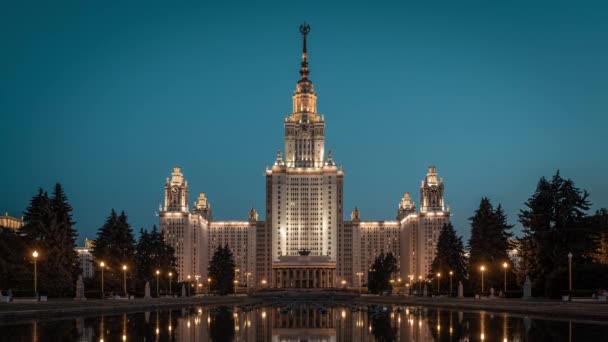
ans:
(304, 322)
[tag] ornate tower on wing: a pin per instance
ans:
(431, 192)
(176, 192)
(304, 127)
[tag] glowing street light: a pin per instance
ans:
(438, 277)
(505, 266)
(157, 281)
(170, 276)
(359, 274)
(124, 269)
(420, 284)
(482, 268)
(35, 255)
(248, 274)
(102, 265)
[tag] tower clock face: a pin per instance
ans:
(433, 189)
(174, 190)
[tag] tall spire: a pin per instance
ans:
(304, 30)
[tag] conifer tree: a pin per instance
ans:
(115, 246)
(555, 224)
(221, 271)
(488, 246)
(48, 229)
(450, 257)
(154, 253)
(380, 272)
(600, 250)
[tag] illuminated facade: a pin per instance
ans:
(7, 221)
(303, 241)
(85, 258)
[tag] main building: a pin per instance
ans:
(304, 241)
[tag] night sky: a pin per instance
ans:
(106, 98)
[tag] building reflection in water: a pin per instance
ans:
(300, 322)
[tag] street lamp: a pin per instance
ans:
(248, 274)
(419, 285)
(35, 255)
(170, 276)
(236, 279)
(505, 266)
(208, 286)
(451, 274)
(102, 265)
(157, 281)
(359, 274)
(124, 269)
(438, 277)
(482, 268)
(410, 276)
(570, 271)
(188, 287)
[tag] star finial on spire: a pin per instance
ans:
(304, 30)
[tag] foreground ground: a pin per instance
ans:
(69, 307)
(533, 307)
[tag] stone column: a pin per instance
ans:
(314, 278)
(299, 279)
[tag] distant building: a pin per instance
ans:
(85, 257)
(303, 241)
(7, 221)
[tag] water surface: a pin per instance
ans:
(304, 322)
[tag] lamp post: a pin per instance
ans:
(235, 279)
(102, 265)
(188, 287)
(410, 285)
(35, 255)
(170, 276)
(359, 274)
(157, 282)
(248, 274)
(208, 286)
(570, 271)
(451, 274)
(419, 285)
(482, 268)
(505, 266)
(124, 269)
(438, 277)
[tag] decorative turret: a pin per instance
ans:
(406, 206)
(355, 215)
(330, 160)
(279, 160)
(203, 207)
(253, 215)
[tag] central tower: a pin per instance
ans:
(304, 195)
(304, 127)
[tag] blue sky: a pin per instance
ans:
(106, 98)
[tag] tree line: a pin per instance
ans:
(556, 222)
(49, 230)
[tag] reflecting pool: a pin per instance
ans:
(304, 322)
